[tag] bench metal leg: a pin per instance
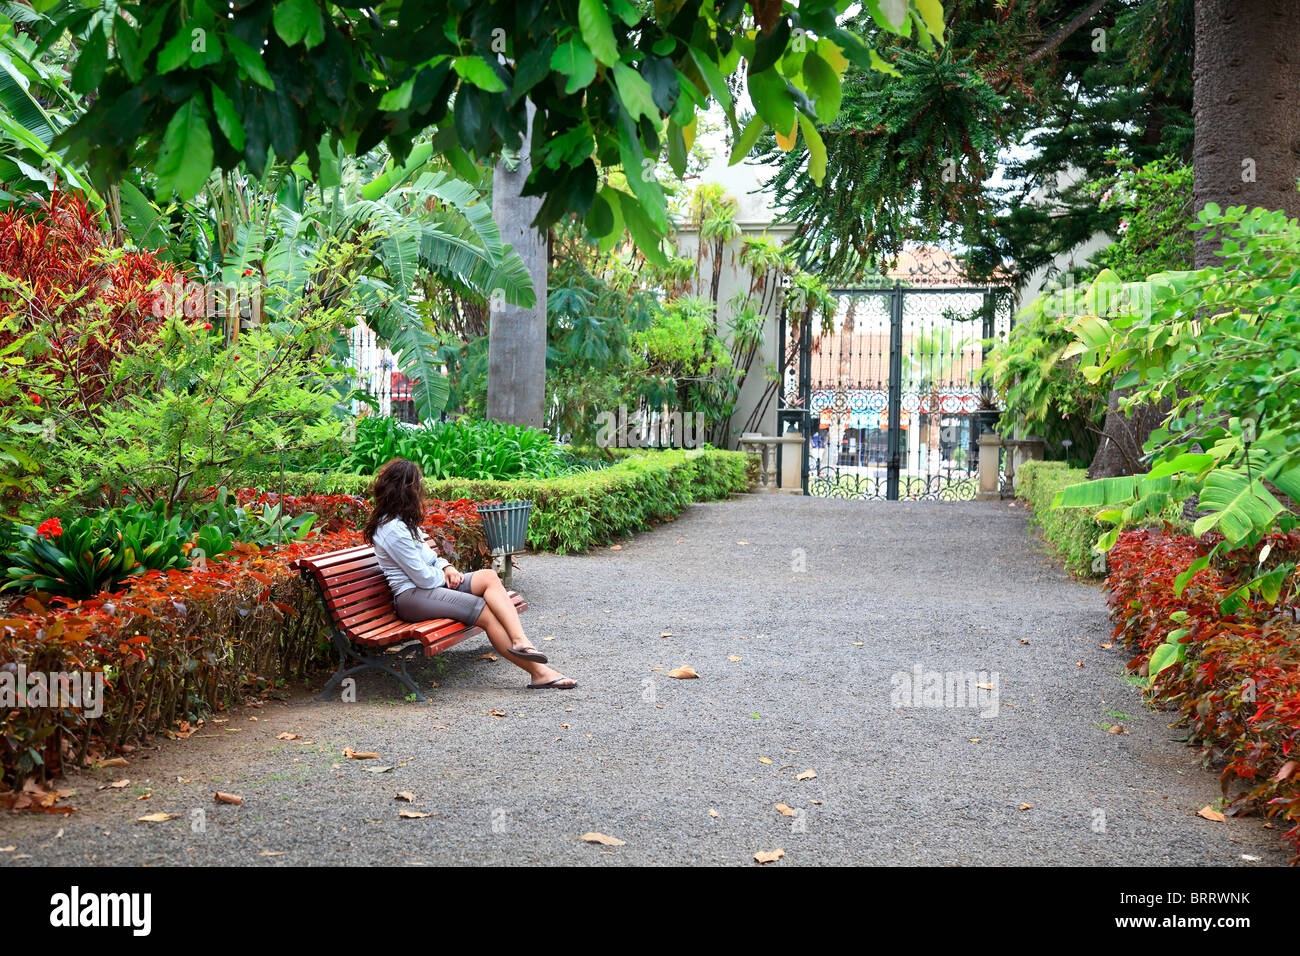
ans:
(368, 663)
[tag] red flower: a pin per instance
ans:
(207, 325)
(50, 528)
(35, 398)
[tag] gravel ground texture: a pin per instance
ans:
(805, 620)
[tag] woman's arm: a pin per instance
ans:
(409, 554)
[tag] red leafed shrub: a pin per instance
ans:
(88, 298)
(1238, 692)
(173, 645)
(456, 532)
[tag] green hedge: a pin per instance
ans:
(1072, 532)
(581, 511)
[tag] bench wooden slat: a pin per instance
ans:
(359, 603)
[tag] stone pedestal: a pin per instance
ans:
(791, 477)
(789, 480)
(990, 488)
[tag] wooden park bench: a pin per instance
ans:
(365, 627)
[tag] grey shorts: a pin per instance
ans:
(428, 604)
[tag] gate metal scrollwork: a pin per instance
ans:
(890, 395)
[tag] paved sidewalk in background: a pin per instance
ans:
(797, 671)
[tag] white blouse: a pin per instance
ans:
(407, 561)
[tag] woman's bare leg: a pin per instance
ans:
(488, 586)
(496, 633)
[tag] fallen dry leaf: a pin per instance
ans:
(487, 657)
(288, 736)
(1116, 729)
(1107, 646)
(975, 740)
(1024, 640)
(112, 762)
(713, 813)
(411, 814)
(768, 856)
(764, 760)
(117, 784)
(784, 810)
(377, 769)
(1211, 814)
(616, 547)
(732, 657)
(497, 713)
(984, 686)
(1026, 806)
(809, 774)
(666, 634)
(685, 672)
(859, 643)
(157, 817)
(271, 853)
(405, 795)
(228, 798)
(603, 839)
(359, 754)
(8, 849)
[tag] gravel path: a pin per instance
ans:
(797, 671)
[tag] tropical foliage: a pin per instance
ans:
(1217, 345)
(484, 450)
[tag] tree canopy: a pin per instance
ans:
(1048, 90)
(189, 86)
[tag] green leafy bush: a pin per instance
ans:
(1072, 532)
(583, 510)
(269, 524)
(99, 551)
(1044, 393)
(484, 450)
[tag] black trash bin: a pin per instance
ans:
(505, 525)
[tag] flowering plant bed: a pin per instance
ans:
(1233, 677)
(172, 645)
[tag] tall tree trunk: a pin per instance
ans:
(517, 337)
(1246, 108)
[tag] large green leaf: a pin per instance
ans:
(1239, 507)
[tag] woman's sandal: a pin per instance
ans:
(529, 654)
(555, 684)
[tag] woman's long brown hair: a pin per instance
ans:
(398, 493)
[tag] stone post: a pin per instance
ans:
(990, 445)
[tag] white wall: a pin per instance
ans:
(755, 217)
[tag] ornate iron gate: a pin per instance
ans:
(888, 391)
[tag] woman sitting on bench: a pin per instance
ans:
(426, 587)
